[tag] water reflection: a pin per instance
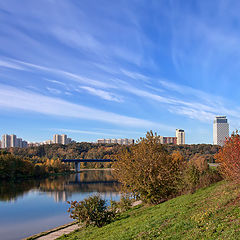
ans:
(31, 206)
(62, 187)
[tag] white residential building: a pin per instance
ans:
(180, 135)
(6, 141)
(220, 130)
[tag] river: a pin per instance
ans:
(32, 206)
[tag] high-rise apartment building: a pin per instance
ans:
(64, 139)
(13, 140)
(180, 135)
(6, 141)
(61, 139)
(19, 142)
(57, 139)
(220, 130)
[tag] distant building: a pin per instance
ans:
(120, 141)
(33, 144)
(19, 142)
(220, 130)
(47, 142)
(180, 135)
(64, 139)
(57, 139)
(24, 144)
(114, 140)
(69, 140)
(13, 140)
(6, 141)
(61, 139)
(168, 140)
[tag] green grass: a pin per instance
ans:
(210, 213)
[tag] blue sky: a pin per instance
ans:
(104, 69)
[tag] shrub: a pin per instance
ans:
(147, 171)
(229, 158)
(123, 205)
(91, 211)
(198, 174)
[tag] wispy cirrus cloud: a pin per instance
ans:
(97, 133)
(66, 74)
(102, 94)
(11, 65)
(57, 107)
(53, 90)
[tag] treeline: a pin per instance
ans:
(46, 159)
(101, 151)
(189, 151)
(71, 151)
(13, 167)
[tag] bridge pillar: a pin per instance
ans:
(77, 167)
(77, 178)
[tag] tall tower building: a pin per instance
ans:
(57, 139)
(6, 141)
(180, 135)
(220, 130)
(13, 140)
(64, 139)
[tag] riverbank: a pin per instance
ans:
(98, 169)
(210, 213)
(55, 232)
(63, 230)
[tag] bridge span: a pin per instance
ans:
(78, 161)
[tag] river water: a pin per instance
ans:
(32, 206)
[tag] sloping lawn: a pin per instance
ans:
(210, 213)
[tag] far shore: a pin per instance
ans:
(93, 169)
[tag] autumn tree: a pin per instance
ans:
(147, 170)
(229, 158)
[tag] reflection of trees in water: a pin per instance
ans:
(10, 190)
(61, 187)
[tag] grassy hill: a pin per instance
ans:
(210, 213)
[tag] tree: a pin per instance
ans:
(147, 170)
(229, 158)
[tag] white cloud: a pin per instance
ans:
(84, 132)
(53, 90)
(13, 98)
(55, 81)
(135, 75)
(75, 38)
(102, 94)
(8, 64)
(67, 74)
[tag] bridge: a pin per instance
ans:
(78, 161)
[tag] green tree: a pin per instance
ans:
(147, 170)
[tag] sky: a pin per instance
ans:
(116, 69)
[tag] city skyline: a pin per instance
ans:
(116, 70)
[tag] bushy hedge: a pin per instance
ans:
(91, 211)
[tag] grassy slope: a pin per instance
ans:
(210, 213)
